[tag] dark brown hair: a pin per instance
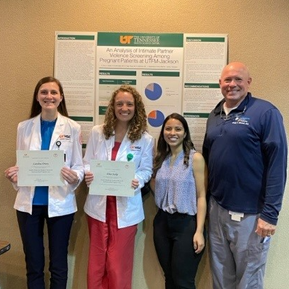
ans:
(164, 150)
(36, 107)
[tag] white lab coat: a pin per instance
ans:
(129, 209)
(61, 200)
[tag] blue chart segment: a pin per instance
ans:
(156, 118)
(153, 91)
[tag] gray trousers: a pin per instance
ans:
(237, 254)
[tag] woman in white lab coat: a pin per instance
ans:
(48, 128)
(112, 220)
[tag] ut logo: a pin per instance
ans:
(125, 39)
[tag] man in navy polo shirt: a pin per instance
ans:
(246, 152)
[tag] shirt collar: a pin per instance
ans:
(241, 106)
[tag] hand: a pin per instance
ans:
(11, 174)
(88, 177)
(135, 183)
(265, 229)
(69, 175)
(198, 242)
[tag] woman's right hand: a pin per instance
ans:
(198, 242)
(11, 174)
(88, 177)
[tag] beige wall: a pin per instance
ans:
(258, 35)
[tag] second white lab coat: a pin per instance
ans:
(129, 209)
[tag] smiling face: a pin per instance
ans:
(124, 106)
(174, 134)
(49, 98)
(234, 83)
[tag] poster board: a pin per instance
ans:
(174, 72)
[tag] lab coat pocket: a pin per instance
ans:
(66, 146)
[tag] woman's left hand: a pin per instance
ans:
(135, 183)
(69, 175)
(198, 242)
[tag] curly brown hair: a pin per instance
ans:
(137, 125)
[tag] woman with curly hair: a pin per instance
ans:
(112, 220)
(179, 181)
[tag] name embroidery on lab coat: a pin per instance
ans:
(64, 137)
(135, 148)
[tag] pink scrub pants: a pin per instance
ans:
(111, 252)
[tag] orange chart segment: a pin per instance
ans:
(153, 114)
(156, 118)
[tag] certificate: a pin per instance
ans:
(40, 168)
(112, 178)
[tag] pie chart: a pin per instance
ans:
(156, 118)
(153, 91)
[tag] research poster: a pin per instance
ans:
(174, 72)
(153, 63)
(74, 66)
(204, 58)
